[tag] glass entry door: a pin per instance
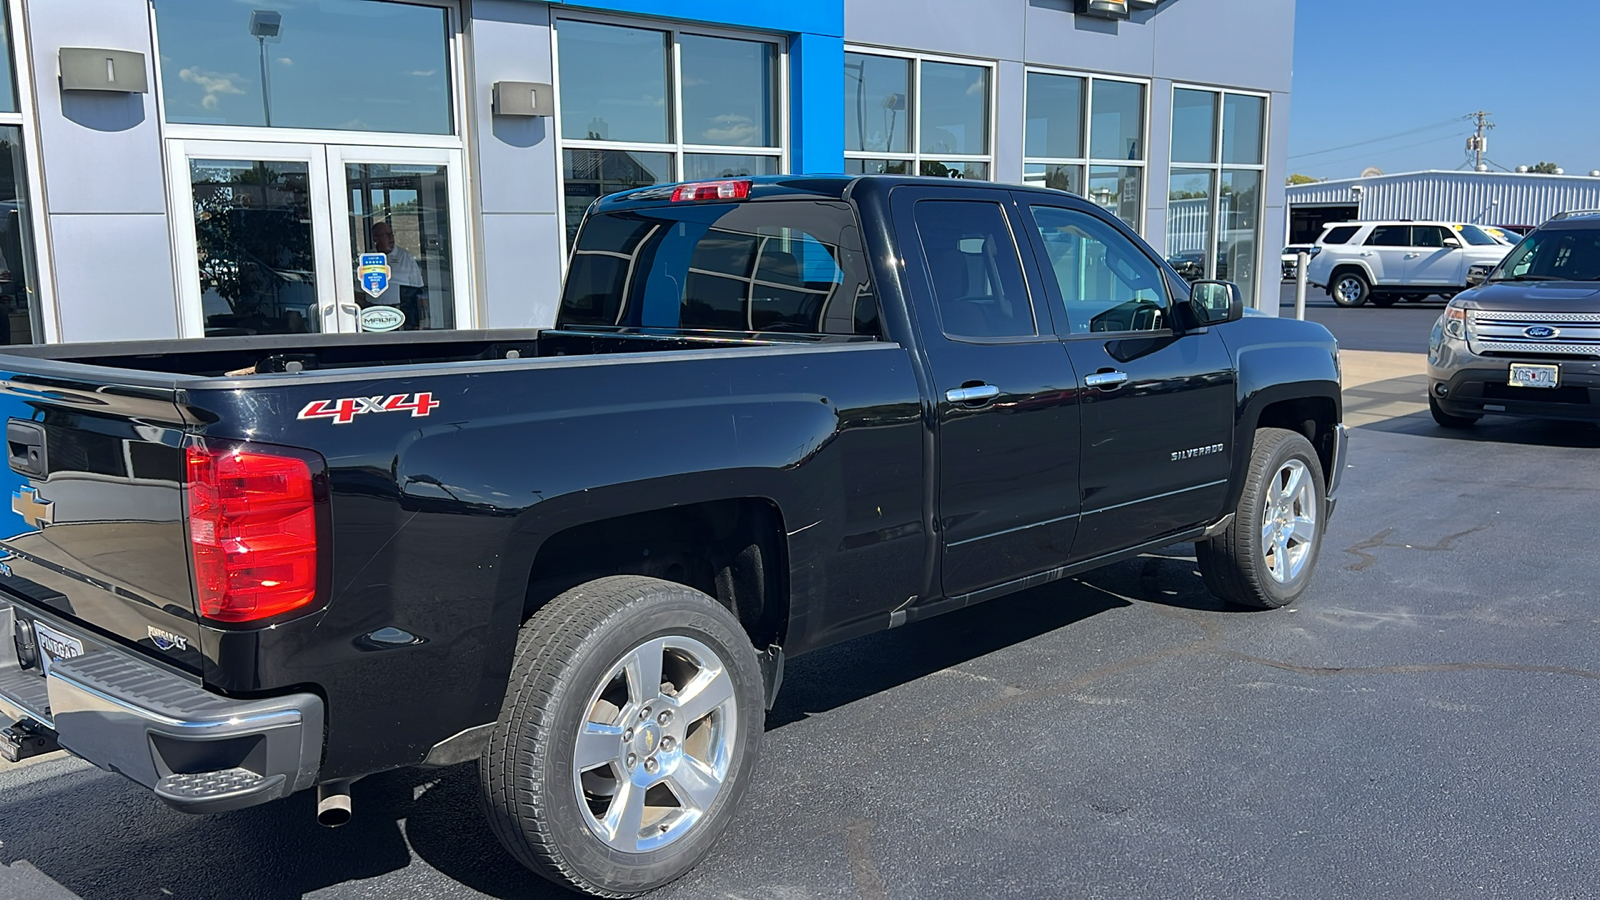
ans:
(303, 238)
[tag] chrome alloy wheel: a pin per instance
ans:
(656, 745)
(1351, 290)
(1289, 521)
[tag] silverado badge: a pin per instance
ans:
(1197, 451)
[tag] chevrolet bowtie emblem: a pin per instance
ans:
(25, 502)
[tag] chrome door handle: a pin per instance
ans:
(972, 394)
(1412, 255)
(1105, 379)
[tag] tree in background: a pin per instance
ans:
(1297, 178)
(1544, 168)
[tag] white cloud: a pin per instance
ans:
(215, 84)
(421, 74)
(978, 88)
(733, 129)
(285, 61)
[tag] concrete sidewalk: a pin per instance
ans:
(1379, 386)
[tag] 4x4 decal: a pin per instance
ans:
(344, 410)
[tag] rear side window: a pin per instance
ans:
(783, 266)
(1341, 234)
(1390, 236)
(976, 273)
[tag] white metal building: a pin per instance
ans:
(1485, 198)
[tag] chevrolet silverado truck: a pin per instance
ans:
(1525, 342)
(773, 414)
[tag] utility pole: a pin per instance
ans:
(1478, 144)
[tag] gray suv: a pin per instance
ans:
(1526, 341)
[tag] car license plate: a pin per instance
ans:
(55, 646)
(1534, 376)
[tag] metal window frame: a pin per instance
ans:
(1217, 167)
(676, 148)
(914, 109)
(46, 329)
(1088, 161)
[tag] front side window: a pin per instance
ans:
(1106, 282)
(349, 65)
(978, 285)
(1218, 135)
(791, 266)
(909, 116)
(1086, 135)
(1430, 236)
(619, 90)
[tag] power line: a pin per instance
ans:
(1379, 140)
(1429, 141)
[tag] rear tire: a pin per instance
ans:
(1350, 289)
(1446, 420)
(628, 733)
(1264, 559)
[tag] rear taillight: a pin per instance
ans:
(252, 529)
(711, 190)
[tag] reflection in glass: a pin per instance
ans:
(730, 91)
(936, 169)
(705, 166)
(19, 285)
(354, 65)
(613, 83)
(877, 167)
(1117, 131)
(1054, 116)
(1241, 129)
(876, 111)
(955, 109)
(1116, 190)
(1194, 126)
(588, 175)
(1059, 177)
(403, 212)
(1239, 235)
(1189, 215)
(252, 224)
(8, 88)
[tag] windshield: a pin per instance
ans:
(1553, 256)
(1479, 237)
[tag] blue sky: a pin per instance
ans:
(1367, 69)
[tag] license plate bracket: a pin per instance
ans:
(54, 646)
(1533, 376)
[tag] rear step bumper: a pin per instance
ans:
(198, 751)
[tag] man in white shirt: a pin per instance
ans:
(405, 277)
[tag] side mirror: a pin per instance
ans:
(1452, 244)
(1216, 302)
(1478, 274)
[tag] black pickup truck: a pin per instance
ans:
(774, 414)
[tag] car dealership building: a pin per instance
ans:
(185, 168)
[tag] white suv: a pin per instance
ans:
(1389, 261)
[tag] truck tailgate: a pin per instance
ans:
(94, 529)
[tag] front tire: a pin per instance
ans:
(1446, 420)
(1265, 557)
(628, 733)
(1350, 289)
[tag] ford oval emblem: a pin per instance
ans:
(381, 318)
(1540, 331)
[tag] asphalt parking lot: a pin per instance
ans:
(1424, 723)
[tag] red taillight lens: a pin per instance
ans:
(711, 190)
(253, 531)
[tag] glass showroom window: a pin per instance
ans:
(1214, 194)
(642, 106)
(1085, 134)
(19, 285)
(906, 115)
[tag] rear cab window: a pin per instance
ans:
(792, 266)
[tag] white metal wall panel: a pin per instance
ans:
(1491, 198)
